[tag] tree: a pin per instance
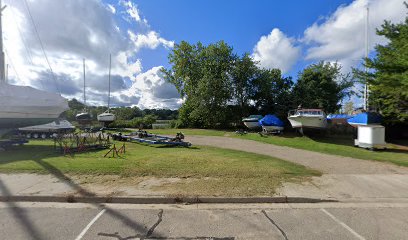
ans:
(243, 74)
(322, 85)
(388, 78)
(271, 92)
(201, 75)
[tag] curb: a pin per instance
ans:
(161, 200)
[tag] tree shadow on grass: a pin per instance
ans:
(42, 152)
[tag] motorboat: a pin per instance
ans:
(252, 122)
(271, 123)
(307, 118)
(22, 106)
(365, 118)
(107, 117)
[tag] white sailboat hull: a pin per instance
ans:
(106, 117)
(316, 122)
(22, 106)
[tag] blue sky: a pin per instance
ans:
(239, 23)
(140, 34)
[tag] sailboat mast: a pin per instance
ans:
(2, 61)
(110, 65)
(366, 56)
(84, 84)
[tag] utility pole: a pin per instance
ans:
(2, 61)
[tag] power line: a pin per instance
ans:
(29, 55)
(12, 65)
(42, 46)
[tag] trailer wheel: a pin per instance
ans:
(28, 135)
(43, 136)
(35, 135)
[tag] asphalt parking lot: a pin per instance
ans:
(257, 221)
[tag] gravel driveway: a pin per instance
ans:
(344, 178)
(323, 162)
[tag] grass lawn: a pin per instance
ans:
(333, 145)
(207, 170)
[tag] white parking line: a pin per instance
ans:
(343, 224)
(81, 235)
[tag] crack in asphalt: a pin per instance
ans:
(139, 236)
(151, 230)
(276, 225)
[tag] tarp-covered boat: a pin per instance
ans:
(365, 118)
(271, 123)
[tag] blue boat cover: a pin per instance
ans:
(365, 118)
(338, 116)
(271, 120)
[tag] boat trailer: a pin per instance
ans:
(148, 138)
(7, 143)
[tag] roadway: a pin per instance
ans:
(204, 221)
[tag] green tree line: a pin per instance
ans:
(221, 87)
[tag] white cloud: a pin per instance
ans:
(111, 8)
(276, 51)
(70, 31)
(150, 40)
(341, 36)
(154, 91)
(132, 11)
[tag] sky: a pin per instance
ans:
(139, 35)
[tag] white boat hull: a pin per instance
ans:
(252, 124)
(22, 106)
(317, 122)
(106, 117)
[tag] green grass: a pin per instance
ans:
(211, 171)
(332, 145)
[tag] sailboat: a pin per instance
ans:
(84, 117)
(22, 106)
(107, 117)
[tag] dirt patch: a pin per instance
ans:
(114, 185)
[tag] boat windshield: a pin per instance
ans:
(305, 112)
